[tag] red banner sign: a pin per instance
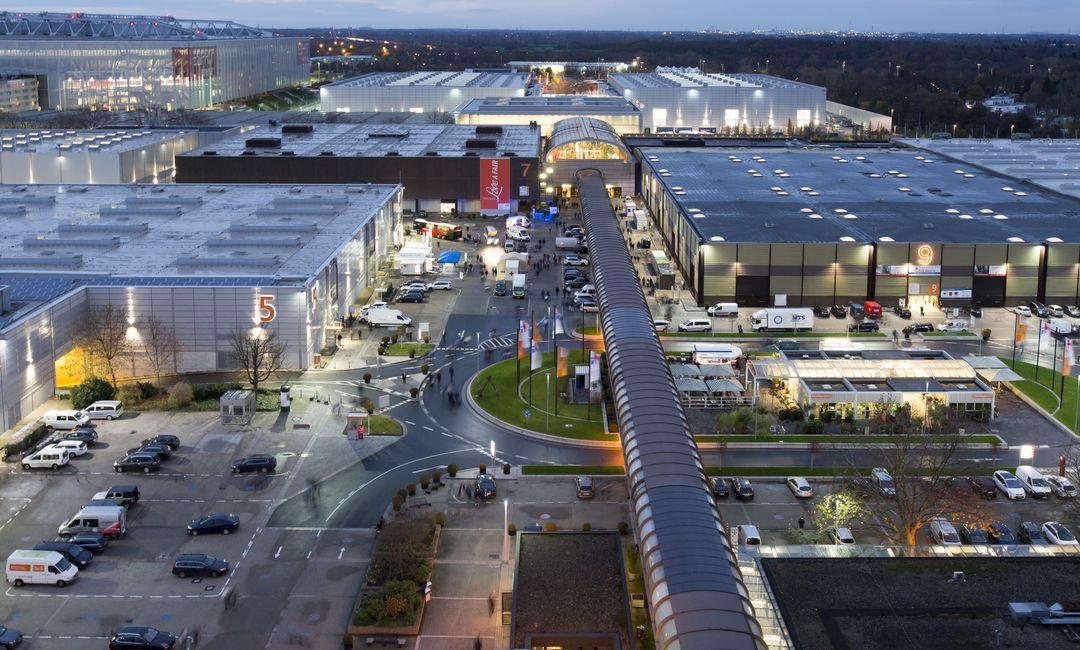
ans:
(494, 184)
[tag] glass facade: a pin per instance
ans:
(170, 74)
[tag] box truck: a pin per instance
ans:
(567, 243)
(519, 286)
(796, 319)
(715, 353)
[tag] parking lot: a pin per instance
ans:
(775, 511)
(284, 586)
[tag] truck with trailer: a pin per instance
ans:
(779, 319)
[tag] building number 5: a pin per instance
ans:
(267, 312)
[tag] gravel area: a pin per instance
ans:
(570, 583)
(910, 603)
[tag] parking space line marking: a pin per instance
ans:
(427, 428)
(411, 424)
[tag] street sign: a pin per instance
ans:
(384, 401)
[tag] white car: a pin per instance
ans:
(72, 447)
(1058, 534)
(1023, 310)
(1057, 311)
(695, 325)
(374, 305)
(800, 487)
(574, 260)
(1062, 486)
(842, 536)
(1009, 485)
(661, 325)
(414, 284)
(440, 284)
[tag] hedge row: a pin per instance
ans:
(35, 436)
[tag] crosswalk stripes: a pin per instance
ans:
(497, 342)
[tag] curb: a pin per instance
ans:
(535, 435)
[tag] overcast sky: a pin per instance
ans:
(909, 15)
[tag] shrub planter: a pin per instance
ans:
(361, 630)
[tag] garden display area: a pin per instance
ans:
(497, 390)
(1047, 391)
(391, 601)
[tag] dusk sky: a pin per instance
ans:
(911, 15)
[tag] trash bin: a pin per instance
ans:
(286, 397)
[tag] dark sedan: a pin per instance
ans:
(199, 564)
(142, 637)
(9, 637)
(821, 312)
(485, 487)
(93, 542)
(254, 463)
(999, 533)
(74, 553)
(500, 288)
(84, 435)
(172, 441)
(162, 450)
(838, 311)
(983, 486)
(916, 328)
(576, 283)
(902, 312)
(743, 490)
(864, 326)
(719, 487)
(971, 535)
(138, 462)
(412, 296)
(215, 522)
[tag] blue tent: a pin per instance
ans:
(450, 257)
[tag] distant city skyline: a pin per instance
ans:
(968, 16)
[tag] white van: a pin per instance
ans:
(108, 520)
(65, 420)
(943, 532)
(1033, 481)
(40, 567)
(724, 310)
(109, 409)
(748, 535)
(50, 457)
(955, 325)
(696, 325)
(517, 233)
(883, 481)
(385, 318)
(491, 236)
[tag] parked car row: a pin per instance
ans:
(1046, 311)
(944, 533)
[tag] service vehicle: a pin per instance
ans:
(39, 568)
(798, 319)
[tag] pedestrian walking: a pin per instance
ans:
(802, 523)
(438, 376)
(451, 371)
(403, 378)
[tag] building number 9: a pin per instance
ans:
(925, 255)
(267, 311)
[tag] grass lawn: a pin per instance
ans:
(1041, 393)
(617, 470)
(864, 439)
(403, 349)
(499, 398)
(775, 335)
(383, 425)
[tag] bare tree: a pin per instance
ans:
(921, 459)
(159, 343)
(258, 354)
(106, 337)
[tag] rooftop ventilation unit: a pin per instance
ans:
(263, 143)
(254, 242)
(28, 199)
(392, 153)
(263, 228)
(326, 153)
(493, 130)
(209, 153)
(295, 129)
(481, 144)
(310, 200)
(47, 259)
(34, 242)
(172, 199)
(431, 153)
(162, 211)
(12, 210)
(212, 262)
(88, 228)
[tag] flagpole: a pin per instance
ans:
(1064, 367)
(532, 333)
(517, 359)
(1016, 323)
(588, 377)
(1053, 366)
(1038, 351)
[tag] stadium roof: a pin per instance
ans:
(118, 27)
(1053, 164)
(377, 140)
(549, 104)
(854, 195)
(693, 78)
(173, 233)
(444, 79)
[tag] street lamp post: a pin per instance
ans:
(493, 455)
(547, 411)
(506, 530)
(1027, 454)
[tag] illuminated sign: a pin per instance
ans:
(267, 311)
(924, 255)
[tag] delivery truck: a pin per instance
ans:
(519, 286)
(797, 319)
(39, 567)
(567, 243)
